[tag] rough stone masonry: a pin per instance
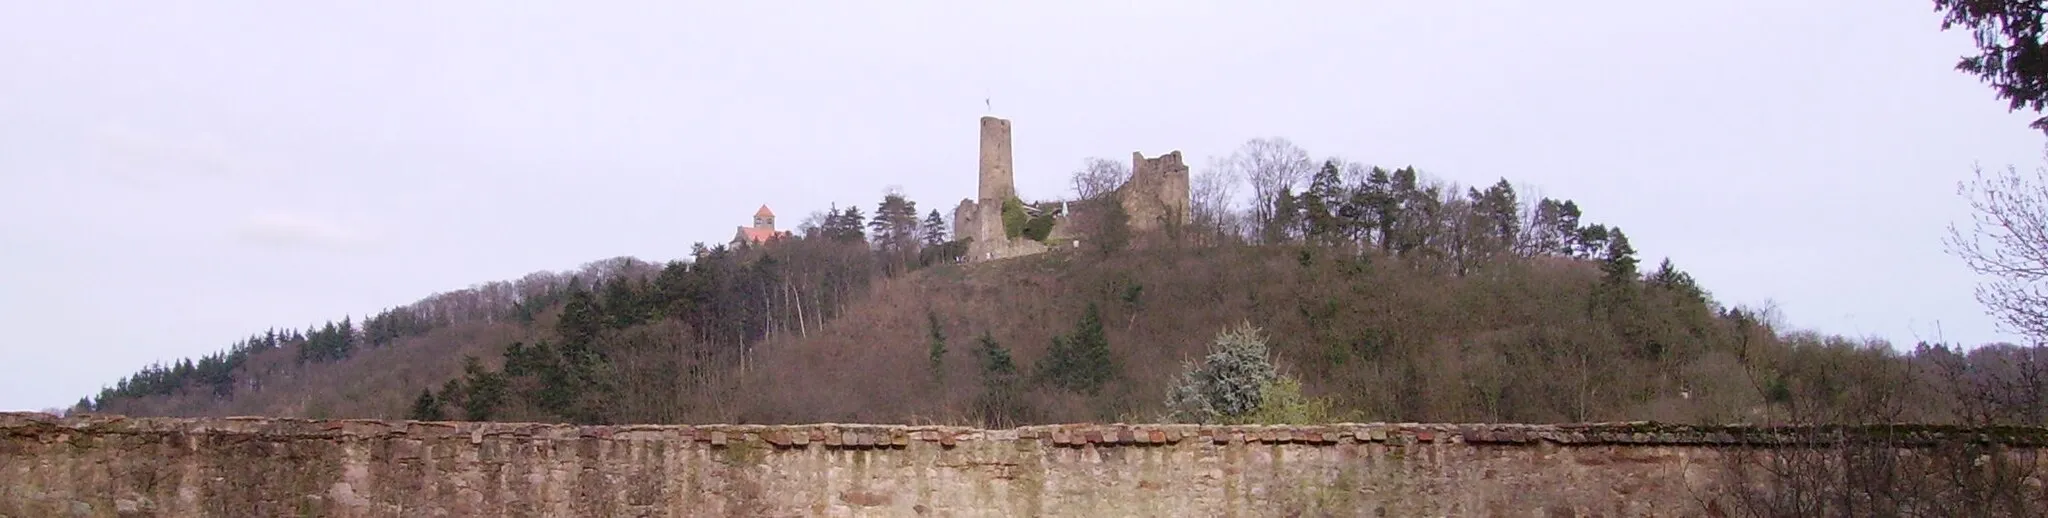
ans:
(115, 466)
(981, 219)
(1156, 197)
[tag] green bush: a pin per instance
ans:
(1226, 385)
(1281, 402)
(1013, 217)
(944, 253)
(1237, 383)
(1039, 228)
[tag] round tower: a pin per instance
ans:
(998, 180)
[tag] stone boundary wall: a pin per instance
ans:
(25, 425)
(119, 466)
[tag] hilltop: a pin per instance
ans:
(1392, 298)
(1339, 291)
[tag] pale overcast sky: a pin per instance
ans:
(175, 175)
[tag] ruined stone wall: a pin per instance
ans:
(965, 222)
(110, 466)
(1156, 196)
(1157, 193)
(982, 218)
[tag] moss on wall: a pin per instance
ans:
(1013, 217)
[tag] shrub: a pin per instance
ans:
(1229, 384)
(943, 253)
(1038, 228)
(1013, 217)
(1281, 402)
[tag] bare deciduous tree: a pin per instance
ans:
(2008, 242)
(1272, 164)
(1357, 173)
(1214, 189)
(1879, 470)
(1099, 176)
(1993, 384)
(812, 224)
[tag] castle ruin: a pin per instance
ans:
(1156, 197)
(980, 220)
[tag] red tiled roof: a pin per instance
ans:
(759, 235)
(764, 211)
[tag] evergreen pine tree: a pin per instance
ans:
(1001, 401)
(1374, 208)
(581, 320)
(622, 304)
(1319, 221)
(905, 230)
(830, 228)
(1414, 209)
(425, 407)
(851, 225)
(1567, 226)
(1619, 298)
(1591, 241)
(934, 229)
(1619, 264)
(936, 347)
(1669, 278)
(1286, 217)
(484, 391)
(883, 228)
(1502, 212)
(1080, 361)
(1546, 235)
(345, 339)
(453, 394)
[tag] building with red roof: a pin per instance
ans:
(762, 231)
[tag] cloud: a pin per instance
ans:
(292, 230)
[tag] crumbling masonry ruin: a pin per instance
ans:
(1156, 198)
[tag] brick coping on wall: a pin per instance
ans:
(867, 436)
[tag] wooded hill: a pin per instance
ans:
(1390, 296)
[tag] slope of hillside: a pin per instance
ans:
(1406, 302)
(1376, 335)
(1382, 337)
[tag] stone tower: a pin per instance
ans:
(981, 218)
(998, 179)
